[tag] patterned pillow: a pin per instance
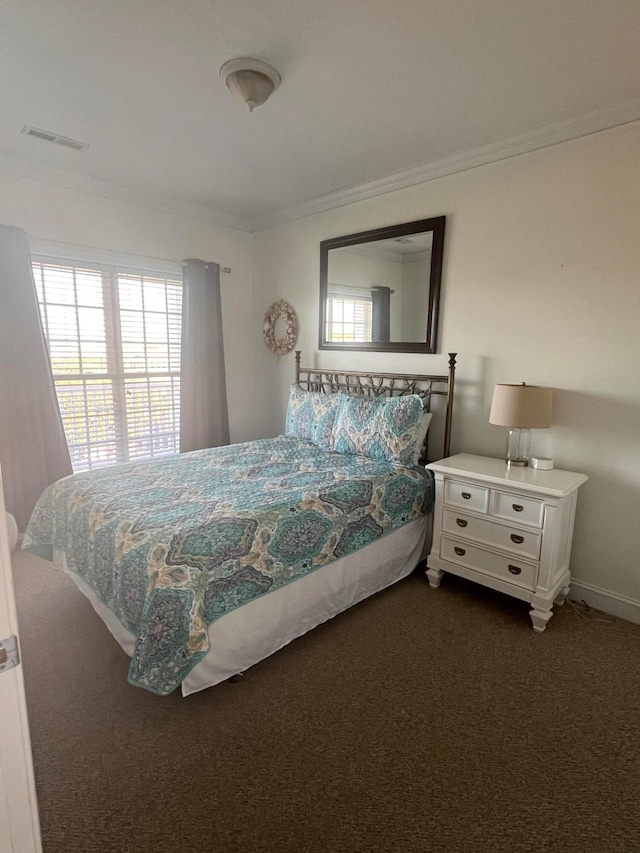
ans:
(313, 415)
(381, 427)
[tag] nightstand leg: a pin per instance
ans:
(435, 576)
(540, 619)
(564, 592)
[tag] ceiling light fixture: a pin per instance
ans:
(251, 81)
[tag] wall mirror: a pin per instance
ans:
(380, 289)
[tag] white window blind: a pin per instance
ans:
(349, 319)
(114, 343)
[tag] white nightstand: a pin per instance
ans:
(507, 528)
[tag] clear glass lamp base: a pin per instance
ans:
(518, 447)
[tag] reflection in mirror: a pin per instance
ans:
(380, 289)
(376, 291)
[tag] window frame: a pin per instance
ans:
(356, 297)
(116, 374)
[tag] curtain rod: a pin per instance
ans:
(350, 286)
(206, 263)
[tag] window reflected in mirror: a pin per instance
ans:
(348, 316)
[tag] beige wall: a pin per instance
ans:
(541, 284)
(52, 213)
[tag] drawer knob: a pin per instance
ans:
(515, 570)
(461, 522)
(460, 551)
(466, 495)
(517, 539)
(517, 507)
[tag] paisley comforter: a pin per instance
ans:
(171, 545)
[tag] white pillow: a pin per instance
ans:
(425, 420)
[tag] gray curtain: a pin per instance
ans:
(204, 420)
(33, 449)
(381, 314)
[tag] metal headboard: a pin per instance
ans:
(356, 382)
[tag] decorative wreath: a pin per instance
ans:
(280, 310)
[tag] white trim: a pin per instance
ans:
(575, 127)
(54, 250)
(608, 602)
(93, 186)
(553, 134)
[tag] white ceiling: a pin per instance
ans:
(370, 88)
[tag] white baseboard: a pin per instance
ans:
(608, 602)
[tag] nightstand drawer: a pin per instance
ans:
(518, 508)
(512, 569)
(523, 542)
(475, 498)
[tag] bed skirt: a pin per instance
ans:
(256, 630)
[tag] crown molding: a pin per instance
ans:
(585, 124)
(103, 189)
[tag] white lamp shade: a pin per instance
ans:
(523, 406)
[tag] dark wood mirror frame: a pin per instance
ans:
(436, 225)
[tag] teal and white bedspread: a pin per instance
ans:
(171, 545)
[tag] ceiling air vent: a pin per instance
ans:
(55, 137)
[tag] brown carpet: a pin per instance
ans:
(420, 720)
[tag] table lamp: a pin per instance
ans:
(521, 408)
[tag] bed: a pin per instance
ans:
(203, 564)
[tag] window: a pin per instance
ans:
(348, 317)
(114, 343)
